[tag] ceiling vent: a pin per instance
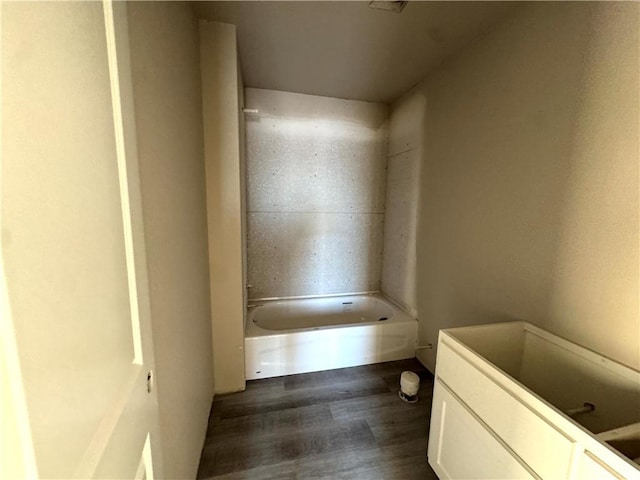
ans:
(389, 6)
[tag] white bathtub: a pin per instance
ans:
(284, 337)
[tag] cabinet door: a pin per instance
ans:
(592, 468)
(460, 447)
(75, 325)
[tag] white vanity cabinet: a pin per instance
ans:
(513, 401)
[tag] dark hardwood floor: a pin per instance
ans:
(339, 424)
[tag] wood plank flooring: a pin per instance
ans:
(339, 424)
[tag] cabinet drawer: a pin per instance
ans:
(544, 448)
(461, 448)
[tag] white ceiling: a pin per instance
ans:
(346, 49)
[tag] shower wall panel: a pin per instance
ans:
(316, 174)
(399, 259)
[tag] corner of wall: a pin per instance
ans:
(404, 160)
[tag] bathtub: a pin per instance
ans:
(285, 337)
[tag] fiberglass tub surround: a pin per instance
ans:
(316, 178)
(286, 337)
(316, 191)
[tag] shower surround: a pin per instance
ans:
(316, 175)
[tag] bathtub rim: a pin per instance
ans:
(326, 295)
(400, 315)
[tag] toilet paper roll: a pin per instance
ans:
(409, 383)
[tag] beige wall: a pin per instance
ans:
(529, 205)
(595, 286)
(166, 79)
(221, 90)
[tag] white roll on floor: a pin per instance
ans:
(409, 386)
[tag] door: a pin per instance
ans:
(76, 340)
